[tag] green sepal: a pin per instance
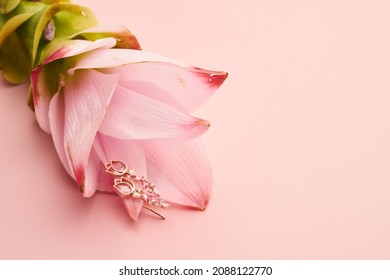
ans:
(15, 60)
(7, 6)
(124, 38)
(68, 20)
(17, 17)
(51, 75)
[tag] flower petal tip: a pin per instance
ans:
(213, 78)
(79, 176)
(134, 217)
(201, 122)
(218, 78)
(133, 208)
(202, 205)
(82, 188)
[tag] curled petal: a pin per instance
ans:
(184, 88)
(168, 80)
(59, 49)
(56, 116)
(91, 175)
(41, 98)
(180, 169)
(87, 95)
(120, 57)
(45, 79)
(135, 116)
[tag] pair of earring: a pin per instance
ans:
(128, 185)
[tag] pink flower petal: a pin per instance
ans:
(180, 170)
(129, 151)
(135, 116)
(57, 50)
(41, 98)
(161, 78)
(133, 207)
(87, 95)
(91, 175)
(108, 58)
(56, 116)
(105, 183)
(68, 48)
(132, 154)
(184, 88)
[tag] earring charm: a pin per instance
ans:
(128, 185)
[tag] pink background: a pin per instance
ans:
(300, 140)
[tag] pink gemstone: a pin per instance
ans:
(136, 195)
(119, 166)
(125, 189)
(164, 204)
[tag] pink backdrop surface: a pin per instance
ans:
(299, 142)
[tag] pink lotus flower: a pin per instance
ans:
(101, 104)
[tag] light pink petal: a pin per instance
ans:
(135, 116)
(161, 78)
(132, 154)
(107, 58)
(87, 95)
(105, 183)
(133, 207)
(41, 98)
(57, 50)
(180, 170)
(91, 175)
(185, 88)
(129, 151)
(68, 48)
(56, 116)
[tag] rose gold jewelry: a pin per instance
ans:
(129, 185)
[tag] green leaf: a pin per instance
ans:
(14, 56)
(68, 19)
(7, 6)
(17, 17)
(15, 60)
(72, 20)
(21, 32)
